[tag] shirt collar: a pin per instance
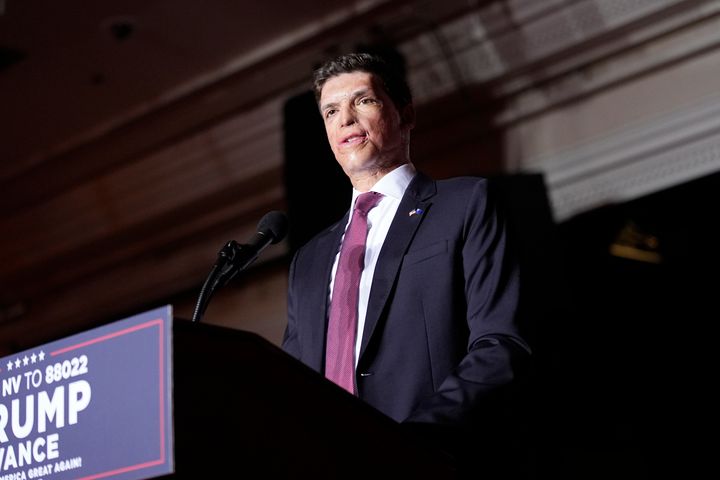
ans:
(393, 184)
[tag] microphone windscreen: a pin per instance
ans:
(275, 224)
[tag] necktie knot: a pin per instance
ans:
(367, 201)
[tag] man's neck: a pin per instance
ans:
(364, 181)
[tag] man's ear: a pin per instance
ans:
(407, 116)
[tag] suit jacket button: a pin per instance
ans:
(366, 374)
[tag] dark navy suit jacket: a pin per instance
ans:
(441, 332)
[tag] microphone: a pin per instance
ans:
(270, 230)
(234, 257)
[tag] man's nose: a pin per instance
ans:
(347, 116)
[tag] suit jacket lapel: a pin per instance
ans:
(327, 247)
(402, 230)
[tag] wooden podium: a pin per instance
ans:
(243, 408)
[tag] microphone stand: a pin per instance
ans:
(232, 258)
(235, 257)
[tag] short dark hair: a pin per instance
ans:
(392, 76)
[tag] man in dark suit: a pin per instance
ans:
(436, 338)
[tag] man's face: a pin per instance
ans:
(366, 132)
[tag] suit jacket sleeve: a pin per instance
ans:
(290, 341)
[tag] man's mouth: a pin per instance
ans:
(353, 139)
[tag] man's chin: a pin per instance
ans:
(357, 162)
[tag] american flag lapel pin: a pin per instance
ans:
(415, 211)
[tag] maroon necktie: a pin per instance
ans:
(342, 323)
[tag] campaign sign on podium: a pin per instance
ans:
(90, 406)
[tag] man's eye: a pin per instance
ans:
(368, 101)
(330, 113)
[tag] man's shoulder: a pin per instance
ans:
(469, 181)
(462, 186)
(319, 239)
(460, 182)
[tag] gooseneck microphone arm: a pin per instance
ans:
(235, 257)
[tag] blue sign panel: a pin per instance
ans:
(90, 406)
